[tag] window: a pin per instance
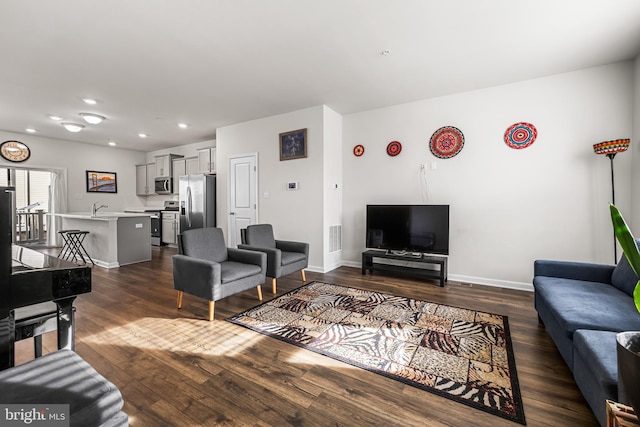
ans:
(32, 187)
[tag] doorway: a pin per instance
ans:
(243, 195)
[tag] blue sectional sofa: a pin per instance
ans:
(583, 306)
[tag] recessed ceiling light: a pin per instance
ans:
(142, 135)
(111, 143)
(30, 130)
(90, 118)
(90, 101)
(385, 52)
(56, 118)
(183, 125)
(72, 127)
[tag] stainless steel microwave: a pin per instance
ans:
(164, 185)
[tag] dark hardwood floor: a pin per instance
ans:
(175, 368)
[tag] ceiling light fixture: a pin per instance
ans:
(56, 118)
(72, 127)
(183, 125)
(89, 101)
(31, 130)
(111, 143)
(93, 119)
(143, 135)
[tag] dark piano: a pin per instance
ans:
(30, 277)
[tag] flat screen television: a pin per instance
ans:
(411, 228)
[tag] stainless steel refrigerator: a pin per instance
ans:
(197, 201)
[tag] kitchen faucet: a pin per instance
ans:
(94, 208)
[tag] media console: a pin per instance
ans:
(368, 263)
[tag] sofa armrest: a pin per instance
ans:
(248, 257)
(589, 272)
(274, 258)
(195, 276)
(289, 246)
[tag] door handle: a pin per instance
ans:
(232, 213)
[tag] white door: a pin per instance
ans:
(243, 195)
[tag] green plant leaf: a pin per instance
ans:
(628, 243)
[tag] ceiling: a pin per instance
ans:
(151, 64)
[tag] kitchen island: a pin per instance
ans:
(115, 238)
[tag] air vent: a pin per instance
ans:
(335, 238)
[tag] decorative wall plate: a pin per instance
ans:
(394, 148)
(358, 150)
(520, 135)
(446, 142)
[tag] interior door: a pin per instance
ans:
(243, 195)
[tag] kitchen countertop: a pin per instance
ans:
(102, 216)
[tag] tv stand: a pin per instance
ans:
(440, 274)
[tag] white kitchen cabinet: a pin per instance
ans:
(170, 228)
(207, 160)
(145, 177)
(164, 165)
(183, 166)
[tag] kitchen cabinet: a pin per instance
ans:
(164, 165)
(183, 166)
(145, 177)
(170, 228)
(207, 160)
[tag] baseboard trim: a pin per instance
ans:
(521, 286)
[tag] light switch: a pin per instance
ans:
(266, 195)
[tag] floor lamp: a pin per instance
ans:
(610, 149)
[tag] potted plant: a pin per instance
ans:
(628, 343)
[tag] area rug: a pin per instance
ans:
(461, 354)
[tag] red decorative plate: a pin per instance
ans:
(446, 142)
(394, 148)
(520, 135)
(358, 150)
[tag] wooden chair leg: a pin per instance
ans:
(273, 285)
(259, 288)
(304, 278)
(211, 307)
(179, 299)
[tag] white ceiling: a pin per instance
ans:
(211, 63)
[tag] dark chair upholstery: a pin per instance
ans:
(283, 257)
(206, 268)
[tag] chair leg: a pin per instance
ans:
(211, 308)
(179, 299)
(259, 288)
(273, 285)
(37, 346)
(304, 278)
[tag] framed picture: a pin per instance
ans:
(101, 182)
(293, 145)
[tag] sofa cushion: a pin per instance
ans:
(596, 368)
(578, 304)
(623, 277)
(230, 271)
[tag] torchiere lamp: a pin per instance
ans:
(610, 149)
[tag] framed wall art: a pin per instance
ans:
(101, 182)
(293, 145)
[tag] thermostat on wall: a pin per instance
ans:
(292, 186)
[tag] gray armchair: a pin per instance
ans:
(206, 268)
(283, 257)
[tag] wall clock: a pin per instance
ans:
(14, 151)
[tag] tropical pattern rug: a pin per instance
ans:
(461, 354)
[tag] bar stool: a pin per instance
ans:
(74, 239)
(36, 320)
(66, 250)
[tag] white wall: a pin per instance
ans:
(76, 158)
(332, 183)
(508, 207)
(295, 215)
(635, 152)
